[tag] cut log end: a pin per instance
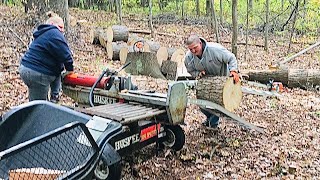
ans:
(232, 95)
(109, 34)
(123, 55)
(220, 90)
(162, 55)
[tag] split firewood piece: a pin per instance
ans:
(103, 39)
(179, 57)
(113, 49)
(143, 63)
(117, 33)
(96, 35)
(220, 90)
(162, 55)
(124, 53)
(169, 69)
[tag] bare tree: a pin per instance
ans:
(266, 27)
(247, 29)
(221, 12)
(182, 11)
(250, 4)
(119, 10)
(214, 20)
(234, 28)
(293, 23)
(150, 19)
(40, 7)
(198, 7)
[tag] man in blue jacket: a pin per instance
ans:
(48, 55)
(205, 58)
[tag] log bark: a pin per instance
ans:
(144, 63)
(113, 49)
(263, 76)
(221, 90)
(169, 69)
(96, 36)
(117, 33)
(103, 39)
(304, 78)
(301, 78)
(151, 46)
(124, 53)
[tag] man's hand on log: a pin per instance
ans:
(201, 74)
(235, 76)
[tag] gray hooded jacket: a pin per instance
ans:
(216, 60)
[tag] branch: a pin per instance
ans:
(299, 53)
(14, 33)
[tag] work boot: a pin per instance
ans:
(54, 99)
(211, 122)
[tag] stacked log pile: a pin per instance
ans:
(121, 46)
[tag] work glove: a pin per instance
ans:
(66, 73)
(235, 76)
(201, 74)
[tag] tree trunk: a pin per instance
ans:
(208, 7)
(113, 49)
(247, 30)
(143, 64)
(293, 24)
(214, 19)
(302, 78)
(250, 4)
(221, 12)
(221, 90)
(150, 19)
(182, 10)
(117, 33)
(282, 5)
(198, 8)
(266, 28)
(58, 6)
(119, 11)
(234, 28)
(264, 76)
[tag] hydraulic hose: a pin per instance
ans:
(94, 86)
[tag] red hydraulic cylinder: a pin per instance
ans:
(76, 79)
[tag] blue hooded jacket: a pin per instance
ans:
(48, 52)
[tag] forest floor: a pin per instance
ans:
(288, 150)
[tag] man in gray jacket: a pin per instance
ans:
(205, 58)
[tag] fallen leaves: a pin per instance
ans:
(289, 149)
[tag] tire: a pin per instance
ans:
(104, 172)
(175, 137)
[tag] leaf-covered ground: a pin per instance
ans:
(289, 149)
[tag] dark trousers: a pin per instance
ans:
(213, 119)
(38, 83)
